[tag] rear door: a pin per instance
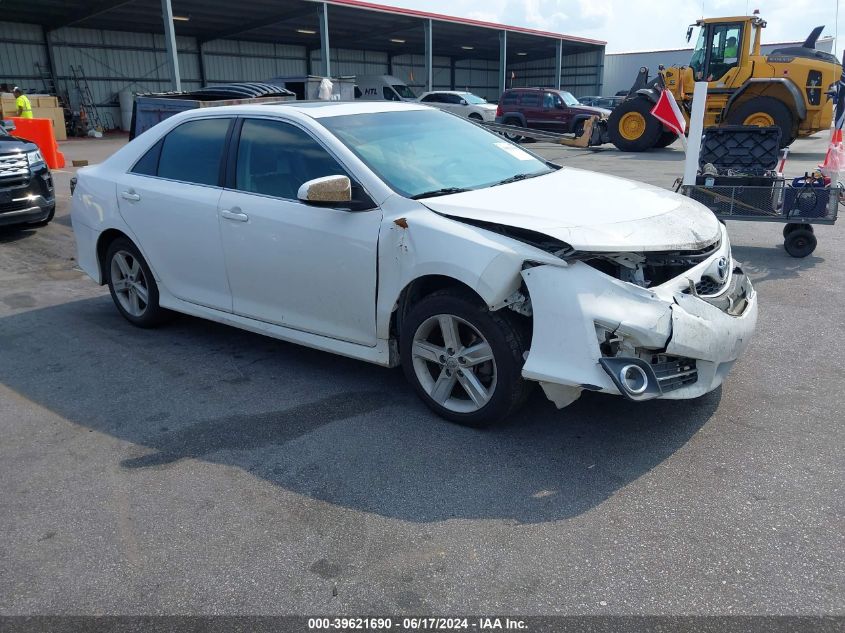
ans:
(169, 200)
(531, 105)
(311, 268)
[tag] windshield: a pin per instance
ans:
(404, 92)
(473, 99)
(421, 151)
(568, 99)
(697, 61)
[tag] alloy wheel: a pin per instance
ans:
(129, 283)
(454, 363)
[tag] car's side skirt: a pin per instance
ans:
(381, 354)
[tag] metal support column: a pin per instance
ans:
(201, 60)
(503, 61)
(600, 82)
(324, 40)
(51, 58)
(452, 73)
(429, 64)
(170, 43)
(558, 63)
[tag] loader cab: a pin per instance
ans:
(721, 47)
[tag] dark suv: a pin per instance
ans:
(26, 186)
(544, 109)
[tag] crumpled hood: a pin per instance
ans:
(589, 211)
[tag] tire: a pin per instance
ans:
(800, 243)
(124, 264)
(665, 139)
(762, 111)
(788, 228)
(475, 117)
(515, 138)
(631, 127)
(46, 220)
(439, 372)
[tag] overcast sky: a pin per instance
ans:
(631, 25)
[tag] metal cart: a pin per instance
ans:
(799, 208)
(738, 181)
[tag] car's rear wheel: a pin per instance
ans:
(132, 285)
(464, 361)
(511, 136)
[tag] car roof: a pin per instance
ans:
(310, 109)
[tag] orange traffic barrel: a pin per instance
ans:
(40, 132)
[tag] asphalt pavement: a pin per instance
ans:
(199, 469)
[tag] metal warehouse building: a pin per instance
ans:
(159, 45)
(621, 68)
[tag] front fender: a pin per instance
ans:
(425, 243)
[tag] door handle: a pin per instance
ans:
(235, 214)
(130, 195)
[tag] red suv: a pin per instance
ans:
(544, 109)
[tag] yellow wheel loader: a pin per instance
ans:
(787, 88)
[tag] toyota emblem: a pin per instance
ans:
(722, 268)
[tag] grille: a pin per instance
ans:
(13, 167)
(707, 286)
(673, 372)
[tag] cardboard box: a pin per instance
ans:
(8, 107)
(44, 102)
(56, 115)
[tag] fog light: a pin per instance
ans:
(634, 378)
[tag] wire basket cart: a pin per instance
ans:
(738, 180)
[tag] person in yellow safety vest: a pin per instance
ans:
(730, 49)
(23, 104)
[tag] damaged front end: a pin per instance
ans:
(644, 325)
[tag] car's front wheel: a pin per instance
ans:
(132, 285)
(465, 361)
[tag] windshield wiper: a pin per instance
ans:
(445, 191)
(517, 177)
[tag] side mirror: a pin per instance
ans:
(328, 190)
(464, 102)
(8, 125)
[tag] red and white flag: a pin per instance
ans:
(667, 111)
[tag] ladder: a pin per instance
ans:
(49, 80)
(88, 112)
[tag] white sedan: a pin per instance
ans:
(463, 104)
(398, 234)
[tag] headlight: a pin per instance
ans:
(35, 158)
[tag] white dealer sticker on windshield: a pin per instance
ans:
(514, 151)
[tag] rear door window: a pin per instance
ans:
(192, 152)
(530, 99)
(148, 163)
